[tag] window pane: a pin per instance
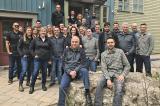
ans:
(126, 6)
(141, 2)
(135, 7)
(140, 8)
(120, 5)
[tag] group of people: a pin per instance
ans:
(70, 52)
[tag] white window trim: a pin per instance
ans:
(137, 11)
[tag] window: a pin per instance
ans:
(123, 5)
(138, 6)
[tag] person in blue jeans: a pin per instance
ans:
(91, 49)
(26, 58)
(12, 39)
(41, 49)
(74, 61)
(115, 67)
(58, 45)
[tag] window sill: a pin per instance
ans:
(137, 12)
(123, 11)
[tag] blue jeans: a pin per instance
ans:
(140, 59)
(27, 67)
(56, 69)
(92, 65)
(14, 60)
(39, 64)
(65, 82)
(118, 92)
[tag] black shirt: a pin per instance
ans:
(13, 39)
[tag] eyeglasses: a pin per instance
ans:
(17, 26)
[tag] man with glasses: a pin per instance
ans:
(11, 45)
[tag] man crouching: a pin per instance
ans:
(74, 61)
(115, 67)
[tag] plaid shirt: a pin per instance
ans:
(114, 63)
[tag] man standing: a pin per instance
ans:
(57, 42)
(104, 35)
(91, 49)
(144, 48)
(97, 32)
(115, 68)
(12, 40)
(127, 44)
(74, 61)
(57, 16)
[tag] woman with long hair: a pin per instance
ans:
(26, 57)
(73, 32)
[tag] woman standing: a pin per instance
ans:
(41, 51)
(26, 58)
(73, 32)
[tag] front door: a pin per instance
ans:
(6, 27)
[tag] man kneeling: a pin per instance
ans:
(115, 67)
(74, 61)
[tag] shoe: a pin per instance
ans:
(44, 88)
(21, 89)
(10, 81)
(51, 84)
(27, 83)
(148, 74)
(31, 90)
(88, 99)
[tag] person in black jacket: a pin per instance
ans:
(26, 58)
(41, 49)
(74, 64)
(104, 35)
(58, 47)
(57, 16)
(73, 32)
(72, 18)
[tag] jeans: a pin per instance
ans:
(92, 65)
(39, 63)
(56, 69)
(14, 60)
(118, 92)
(130, 58)
(65, 82)
(27, 67)
(140, 59)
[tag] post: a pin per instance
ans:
(101, 16)
(111, 12)
(66, 7)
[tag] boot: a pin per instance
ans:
(88, 99)
(27, 83)
(31, 90)
(10, 81)
(44, 88)
(21, 89)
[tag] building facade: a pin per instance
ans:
(140, 11)
(25, 12)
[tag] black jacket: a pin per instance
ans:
(102, 40)
(72, 20)
(41, 49)
(23, 46)
(74, 59)
(57, 18)
(58, 46)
